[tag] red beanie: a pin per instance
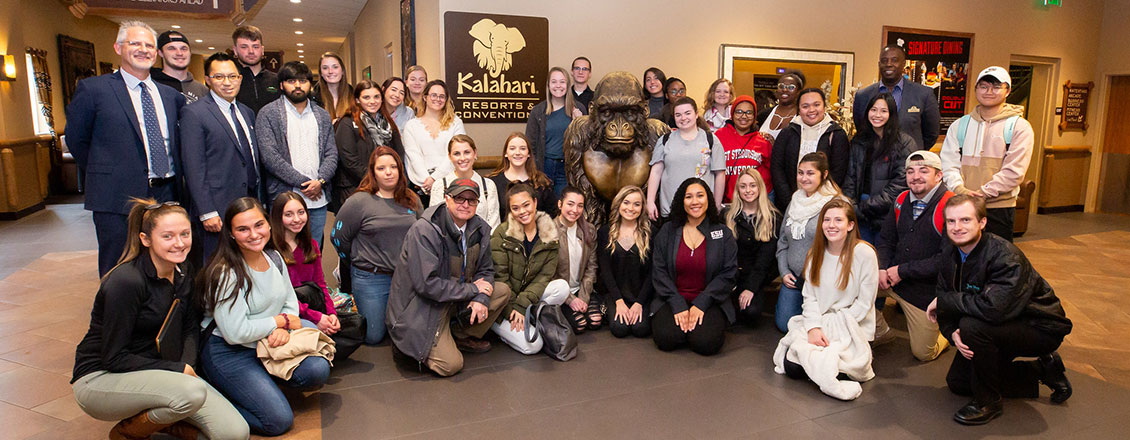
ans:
(741, 99)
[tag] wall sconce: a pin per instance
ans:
(9, 73)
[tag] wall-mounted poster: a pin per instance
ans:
(939, 60)
(1076, 96)
(496, 65)
(407, 34)
(77, 62)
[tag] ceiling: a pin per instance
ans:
(324, 26)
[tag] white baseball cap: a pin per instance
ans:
(996, 72)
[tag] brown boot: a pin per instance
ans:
(182, 430)
(136, 427)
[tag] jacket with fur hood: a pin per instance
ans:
(526, 275)
(587, 233)
(982, 164)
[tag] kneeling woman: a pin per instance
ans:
(135, 362)
(831, 336)
(624, 258)
(246, 296)
(524, 250)
(694, 265)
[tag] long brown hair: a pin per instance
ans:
(401, 194)
(448, 115)
(815, 258)
(538, 178)
(341, 107)
(303, 240)
(643, 223)
(820, 160)
(569, 102)
(226, 269)
(355, 109)
(143, 216)
(708, 101)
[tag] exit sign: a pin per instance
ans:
(1053, 3)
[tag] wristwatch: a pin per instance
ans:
(322, 181)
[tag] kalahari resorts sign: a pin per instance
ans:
(496, 65)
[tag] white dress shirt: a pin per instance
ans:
(225, 109)
(305, 153)
(132, 86)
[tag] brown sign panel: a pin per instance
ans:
(272, 60)
(197, 8)
(496, 65)
(1076, 96)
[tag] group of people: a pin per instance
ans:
(736, 199)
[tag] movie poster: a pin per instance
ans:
(496, 65)
(938, 60)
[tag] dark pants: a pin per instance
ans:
(752, 313)
(992, 373)
(555, 170)
(706, 339)
(641, 329)
(1000, 221)
(111, 229)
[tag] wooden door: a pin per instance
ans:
(1114, 196)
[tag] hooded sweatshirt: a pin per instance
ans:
(982, 164)
(750, 150)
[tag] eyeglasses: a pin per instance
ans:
(744, 112)
(581, 69)
(436, 96)
(139, 44)
(221, 78)
(985, 87)
(459, 200)
(786, 87)
(296, 81)
(677, 91)
(158, 205)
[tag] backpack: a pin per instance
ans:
(939, 215)
(963, 124)
(546, 321)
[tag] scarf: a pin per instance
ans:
(810, 136)
(803, 207)
(379, 130)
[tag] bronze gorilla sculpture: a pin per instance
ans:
(611, 146)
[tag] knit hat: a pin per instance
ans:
(741, 99)
(924, 157)
(169, 37)
(461, 185)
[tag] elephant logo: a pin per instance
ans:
(494, 45)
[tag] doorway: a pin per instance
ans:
(1115, 158)
(1034, 88)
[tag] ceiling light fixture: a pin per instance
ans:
(296, 1)
(211, 48)
(300, 44)
(175, 26)
(297, 20)
(298, 32)
(199, 41)
(302, 56)
(301, 51)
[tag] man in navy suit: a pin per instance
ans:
(218, 148)
(917, 105)
(122, 130)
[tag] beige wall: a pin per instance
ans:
(1113, 59)
(377, 26)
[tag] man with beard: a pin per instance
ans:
(994, 307)
(917, 105)
(296, 140)
(172, 47)
(260, 86)
(122, 130)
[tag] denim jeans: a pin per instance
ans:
(788, 305)
(317, 219)
(555, 170)
(237, 373)
(370, 292)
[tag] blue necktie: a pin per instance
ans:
(158, 156)
(918, 206)
(245, 145)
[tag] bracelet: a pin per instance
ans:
(286, 319)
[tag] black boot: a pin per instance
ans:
(1052, 375)
(974, 413)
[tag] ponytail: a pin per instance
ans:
(143, 215)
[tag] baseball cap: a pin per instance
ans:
(996, 72)
(924, 157)
(169, 37)
(461, 185)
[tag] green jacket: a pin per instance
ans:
(526, 275)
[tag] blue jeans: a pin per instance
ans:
(239, 375)
(788, 305)
(317, 219)
(555, 170)
(370, 292)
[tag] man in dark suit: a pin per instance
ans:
(917, 105)
(219, 149)
(122, 130)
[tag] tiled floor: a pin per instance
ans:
(614, 388)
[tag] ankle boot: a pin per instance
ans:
(1052, 374)
(883, 332)
(136, 427)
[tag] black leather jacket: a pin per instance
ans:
(887, 179)
(997, 284)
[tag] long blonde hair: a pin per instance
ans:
(569, 102)
(643, 223)
(765, 223)
(448, 115)
(416, 106)
(142, 218)
(815, 258)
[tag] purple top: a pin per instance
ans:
(303, 272)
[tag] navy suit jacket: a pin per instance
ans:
(923, 124)
(214, 164)
(104, 136)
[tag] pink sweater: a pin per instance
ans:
(304, 272)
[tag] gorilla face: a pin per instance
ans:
(621, 111)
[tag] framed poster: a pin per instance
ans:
(76, 61)
(939, 60)
(496, 65)
(1076, 96)
(407, 34)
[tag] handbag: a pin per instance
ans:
(352, 332)
(546, 321)
(170, 341)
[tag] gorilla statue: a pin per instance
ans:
(610, 147)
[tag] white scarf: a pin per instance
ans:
(810, 136)
(803, 207)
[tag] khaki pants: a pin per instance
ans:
(445, 358)
(926, 341)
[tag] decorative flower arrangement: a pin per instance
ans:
(841, 112)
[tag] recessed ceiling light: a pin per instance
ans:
(211, 48)
(297, 20)
(199, 41)
(298, 32)
(302, 56)
(296, 1)
(175, 26)
(300, 44)
(301, 51)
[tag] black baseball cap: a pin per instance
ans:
(169, 37)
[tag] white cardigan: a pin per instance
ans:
(488, 201)
(425, 156)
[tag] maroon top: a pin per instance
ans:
(302, 272)
(690, 265)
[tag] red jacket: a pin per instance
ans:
(743, 152)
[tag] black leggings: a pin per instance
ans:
(706, 339)
(641, 329)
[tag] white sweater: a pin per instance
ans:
(425, 156)
(858, 300)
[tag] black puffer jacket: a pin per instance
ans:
(997, 284)
(887, 178)
(757, 260)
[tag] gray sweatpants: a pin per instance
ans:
(168, 396)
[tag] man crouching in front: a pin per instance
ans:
(441, 301)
